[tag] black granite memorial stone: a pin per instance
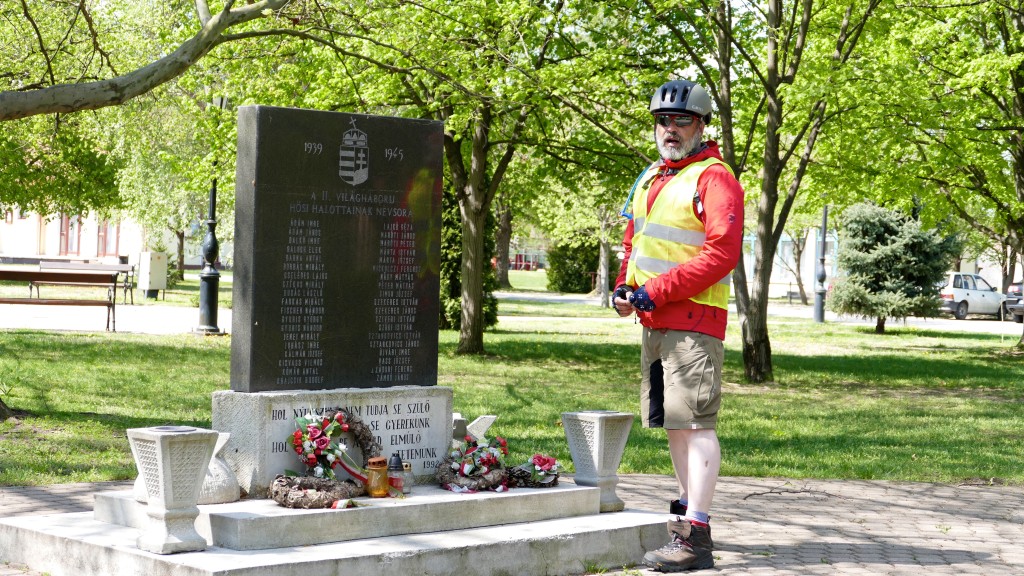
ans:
(337, 251)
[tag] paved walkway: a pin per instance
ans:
(768, 526)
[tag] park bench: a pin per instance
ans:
(127, 283)
(97, 278)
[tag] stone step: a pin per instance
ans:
(79, 545)
(262, 524)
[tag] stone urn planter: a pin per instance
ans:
(596, 440)
(172, 461)
(220, 485)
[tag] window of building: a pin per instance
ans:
(70, 232)
(108, 236)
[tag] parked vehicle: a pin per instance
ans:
(1014, 296)
(1013, 307)
(966, 294)
(1017, 311)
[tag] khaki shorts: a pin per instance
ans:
(681, 386)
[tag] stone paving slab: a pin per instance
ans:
(770, 526)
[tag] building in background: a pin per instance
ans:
(26, 237)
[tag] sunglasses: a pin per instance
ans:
(680, 121)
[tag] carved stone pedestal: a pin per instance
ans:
(172, 461)
(596, 441)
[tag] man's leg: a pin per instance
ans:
(692, 372)
(677, 448)
(704, 459)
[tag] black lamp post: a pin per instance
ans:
(819, 294)
(209, 277)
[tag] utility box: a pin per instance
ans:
(152, 273)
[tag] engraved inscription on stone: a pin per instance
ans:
(302, 306)
(395, 306)
(410, 426)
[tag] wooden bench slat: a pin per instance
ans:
(54, 302)
(41, 276)
(127, 269)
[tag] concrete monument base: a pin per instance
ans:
(415, 421)
(80, 545)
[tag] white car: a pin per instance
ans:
(966, 294)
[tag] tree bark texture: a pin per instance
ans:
(602, 271)
(180, 235)
(503, 237)
(471, 331)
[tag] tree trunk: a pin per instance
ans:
(503, 237)
(5, 411)
(471, 331)
(180, 234)
(602, 272)
(799, 242)
(880, 325)
(757, 349)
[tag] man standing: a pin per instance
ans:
(682, 242)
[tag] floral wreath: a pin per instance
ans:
(475, 465)
(316, 441)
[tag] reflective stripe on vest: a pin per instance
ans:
(671, 234)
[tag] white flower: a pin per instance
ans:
(307, 445)
(318, 471)
(330, 457)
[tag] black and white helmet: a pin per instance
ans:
(682, 96)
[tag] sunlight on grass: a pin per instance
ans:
(913, 404)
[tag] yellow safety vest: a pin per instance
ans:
(671, 234)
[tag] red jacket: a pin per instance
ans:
(722, 197)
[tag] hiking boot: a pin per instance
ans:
(690, 549)
(677, 509)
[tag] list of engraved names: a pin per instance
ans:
(302, 306)
(394, 335)
(395, 305)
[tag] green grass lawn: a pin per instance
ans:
(912, 404)
(528, 281)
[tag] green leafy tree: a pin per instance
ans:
(944, 111)
(473, 64)
(52, 168)
(892, 267)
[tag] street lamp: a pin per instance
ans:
(209, 278)
(819, 294)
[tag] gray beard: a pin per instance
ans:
(688, 147)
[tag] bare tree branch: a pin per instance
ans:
(110, 92)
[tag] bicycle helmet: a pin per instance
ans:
(682, 96)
